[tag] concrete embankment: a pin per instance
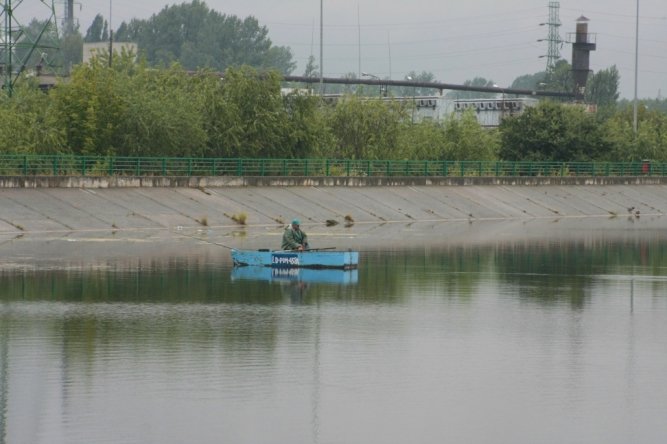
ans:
(83, 203)
(362, 211)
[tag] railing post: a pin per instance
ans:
(305, 168)
(25, 165)
(55, 165)
(326, 168)
(83, 165)
(137, 172)
(164, 166)
(387, 168)
(347, 167)
(497, 169)
(368, 168)
(239, 167)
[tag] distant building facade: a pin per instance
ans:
(489, 112)
(98, 49)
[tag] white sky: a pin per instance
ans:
(456, 40)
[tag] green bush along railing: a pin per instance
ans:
(65, 165)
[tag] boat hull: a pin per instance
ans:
(346, 260)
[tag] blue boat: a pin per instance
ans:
(346, 260)
(307, 275)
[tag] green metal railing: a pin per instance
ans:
(61, 165)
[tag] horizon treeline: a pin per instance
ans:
(131, 109)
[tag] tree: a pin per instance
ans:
(560, 79)
(198, 37)
(308, 132)
(602, 87)
(71, 45)
(410, 91)
(343, 88)
(425, 140)
(28, 123)
(657, 104)
(457, 138)
(37, 44)
(279, 58)
(467, 140)
(246, 117)
(650, 141)
(477, 81)
(367, 128)
(552, 132)
(311, 68)
(129, 110)
(535, 81)
(95, 32)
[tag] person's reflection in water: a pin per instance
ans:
(295, 291)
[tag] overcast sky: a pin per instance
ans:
(456, 40)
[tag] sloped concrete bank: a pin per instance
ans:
(88, 204)
(87, 218)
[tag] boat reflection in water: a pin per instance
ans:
(291, 275)
(295, 282)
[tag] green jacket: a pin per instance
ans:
(293, 238)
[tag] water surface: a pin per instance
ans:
(521, 342)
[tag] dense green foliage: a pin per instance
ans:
(554, 132)
(132, 109)
(198, 37)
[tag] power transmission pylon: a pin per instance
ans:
(555, 42)
(23, 47)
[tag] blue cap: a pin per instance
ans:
(296, 222)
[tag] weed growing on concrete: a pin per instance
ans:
(203, 221)
(240, 218)
(331, 222)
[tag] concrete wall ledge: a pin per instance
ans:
(317, 181)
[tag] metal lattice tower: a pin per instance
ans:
(33, 46)
(555, 42)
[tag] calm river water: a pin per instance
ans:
(551, 342)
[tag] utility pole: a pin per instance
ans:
(321, 47)
(110, 34)
(69, 15)
(553, 38)
(634, 102)
(19, 51)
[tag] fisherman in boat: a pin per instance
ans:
(294, 238)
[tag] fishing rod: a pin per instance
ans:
(208, 241)
(232, 248)
(300, 251)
